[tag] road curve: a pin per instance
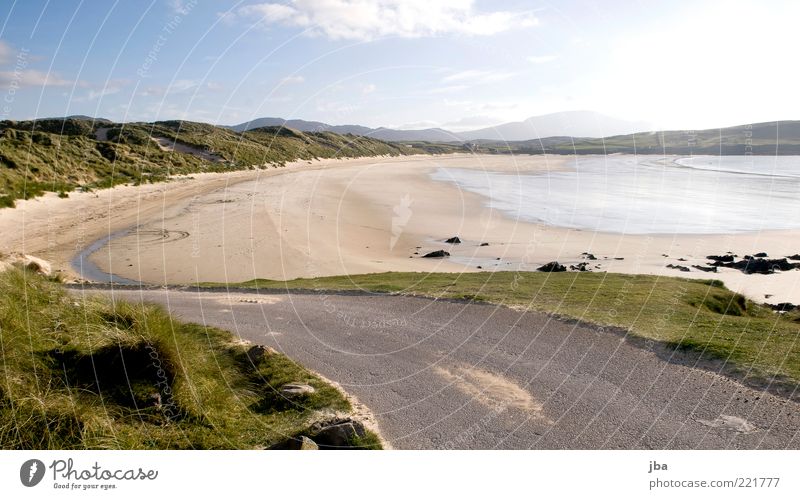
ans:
(443, 374)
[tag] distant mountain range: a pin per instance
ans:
(586, 124)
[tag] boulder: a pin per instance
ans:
(487, 244)
(796, 256)
(453, 240)
(760, 255)
(436, 254)
(552, 267)
(581, 267)
(589, 256)
(338, 433)
(705, 269)
(294, 390)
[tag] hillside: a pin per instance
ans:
(64, 154)
(770, 138)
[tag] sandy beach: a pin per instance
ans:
(341, 217)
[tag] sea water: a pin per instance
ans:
(647, 194)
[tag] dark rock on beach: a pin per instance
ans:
(589, 256)
(704, 269)
(760, 255)
(453, 240)
(552, 267)
(436, 254)
(751, 265)
(720, 258)
(487, 244)
(678, 267)
(796, 256)
(581, 267)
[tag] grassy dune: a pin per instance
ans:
(702, 317)
(63, 155)
(92, 375)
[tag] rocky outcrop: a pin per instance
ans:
(436, 254)
(338, 432)
(581, 267)
(453, 240)
(753, 265)
(704, 269)
(552, 267)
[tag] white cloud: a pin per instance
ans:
(417, 125)
(448, 89)
(291, 80)
(31, 78)
(182, 85)
(476, 77)
(6, 52)
(472, 123)
(542, 59)
(362, 20)
(111, 87)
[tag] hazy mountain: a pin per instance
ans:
(301, 125)
(567, 124)
(768, 138)
(570, 123)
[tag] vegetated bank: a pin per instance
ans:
(92, 374)
(64, 154)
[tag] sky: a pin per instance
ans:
(458, 64)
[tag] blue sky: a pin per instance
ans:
(460, 64)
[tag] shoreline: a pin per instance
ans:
(345, 217)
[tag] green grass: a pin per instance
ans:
(95, 375)
(699, 316)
